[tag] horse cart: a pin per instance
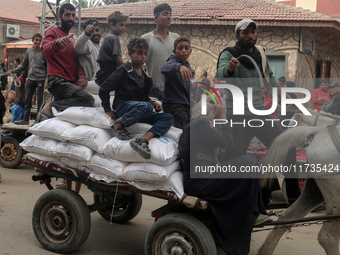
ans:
(61, 218)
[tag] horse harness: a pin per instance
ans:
(336, 122)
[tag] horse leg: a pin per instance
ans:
(309, 199)
(329, 234)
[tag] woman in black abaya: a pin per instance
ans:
(234, 203)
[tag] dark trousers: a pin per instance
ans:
(32, 86)
(67, 94)
(180, 112)
(243, 134)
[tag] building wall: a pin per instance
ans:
(26, 31)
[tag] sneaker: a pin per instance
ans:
(21, 122)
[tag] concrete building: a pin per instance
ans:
(300, 44)
(18, 20)
(329, 7)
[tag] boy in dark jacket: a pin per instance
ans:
(132, 103)
(177, 74)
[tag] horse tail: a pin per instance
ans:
(278, 151)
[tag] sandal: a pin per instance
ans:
(121, 131)
(142, 147)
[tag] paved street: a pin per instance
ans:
(18, 194)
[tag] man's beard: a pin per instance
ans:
(95, 40)
(248, 45)
(65, 24)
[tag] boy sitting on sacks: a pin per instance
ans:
(132, 103)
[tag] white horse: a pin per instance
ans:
(316, 119)
(324, 185)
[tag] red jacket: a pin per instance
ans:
(319, 98)
(61, 61)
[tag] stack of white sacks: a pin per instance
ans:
(81, 138)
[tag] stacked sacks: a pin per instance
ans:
(81, 137)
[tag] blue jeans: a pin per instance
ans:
(136, 111)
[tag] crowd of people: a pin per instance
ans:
(158, 70)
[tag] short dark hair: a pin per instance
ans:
(161, 7)
(323, 81)
(137, 43)
(90, 22)
(282, 79)
(181, 39)
(67, 6)
(36, 35)
(205, 73)
(116, 17)
(17, 59)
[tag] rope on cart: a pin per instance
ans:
(114, 203)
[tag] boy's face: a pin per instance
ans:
(119, 28)
(183, 51)
(163, 19)
(37, 42)
(138, 57)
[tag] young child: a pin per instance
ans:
(177, 74)
(132, 103)
(110, 55)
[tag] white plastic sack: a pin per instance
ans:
(163, 151)
(73, 151)
(103, 165)
(39, 145)
(98, 102)
(101, 177)
(92, 137)
(46, 158)
(95, 117)
(141, 128)
(92, 88)
(80, 165)
(173, 183)
(52, 128)
(149, 172)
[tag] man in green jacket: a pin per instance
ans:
(241, 73)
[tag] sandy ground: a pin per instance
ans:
(18, 194)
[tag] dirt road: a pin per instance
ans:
(18, 194)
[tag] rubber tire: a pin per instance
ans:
(78, 214)
(191, 229)
(128, 206)
(12, 147)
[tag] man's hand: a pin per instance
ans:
(157, 106)
(233, 65)
(220, 111)
(185, 72)
(65, 41)
(112, 115)
(9, 72)
(82, 83)
(90, 29)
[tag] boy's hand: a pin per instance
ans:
(112, 115)
(185, 72)
(157, 107)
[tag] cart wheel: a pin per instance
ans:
(178, 233)
(61, 220)
(126, 208)
(11, 153)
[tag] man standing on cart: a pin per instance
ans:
(242, 73)
(66, 78)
